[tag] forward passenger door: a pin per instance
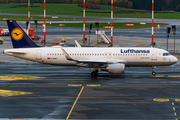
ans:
(153, 55)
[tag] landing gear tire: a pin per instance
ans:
(94, 74)
(153, 73)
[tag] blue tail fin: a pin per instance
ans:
(18, 37)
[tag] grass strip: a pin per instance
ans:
(73, 9)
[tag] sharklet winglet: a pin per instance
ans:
(77, 43)
(67, 55)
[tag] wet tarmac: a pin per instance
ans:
(38, 91)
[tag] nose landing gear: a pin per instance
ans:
(153, 71)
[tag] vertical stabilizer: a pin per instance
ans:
(18, 37)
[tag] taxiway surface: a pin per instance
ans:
(37, 91)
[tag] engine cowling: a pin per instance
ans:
(115, 68)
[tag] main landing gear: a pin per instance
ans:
(153, 71)
(94, 73)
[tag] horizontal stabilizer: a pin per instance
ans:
(14, 52)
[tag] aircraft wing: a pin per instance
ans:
(89, 62)
(93, 63)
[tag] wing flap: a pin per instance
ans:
(96, 61)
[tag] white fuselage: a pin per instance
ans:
(133, 56)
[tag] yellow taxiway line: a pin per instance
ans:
(74, 85)
(18, 77)
(75, 103)
(93, 85)
(177, 100)
(7, 93)
(160, 100)
(88, 85)
(157, 75)
(173, 75)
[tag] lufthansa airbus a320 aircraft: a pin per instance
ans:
(113, 60)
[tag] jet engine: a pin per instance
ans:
(115, 68)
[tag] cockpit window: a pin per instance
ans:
(166, 54)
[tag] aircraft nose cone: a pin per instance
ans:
(175, 60)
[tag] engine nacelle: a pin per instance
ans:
(115, 68)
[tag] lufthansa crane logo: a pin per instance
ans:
(17, 34)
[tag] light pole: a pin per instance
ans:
(111, 23)
(97, 25)
(174, 29)
(27, 23)
(90, 27)
(168, 31)
(36, 27)
(84, 39)
(28, 17)
(44, 22)
(152, 43)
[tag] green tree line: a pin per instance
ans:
(159, 5)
